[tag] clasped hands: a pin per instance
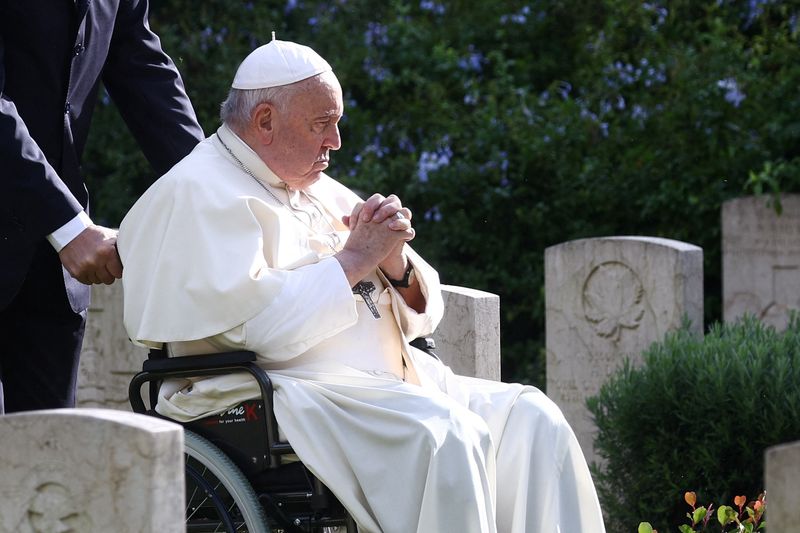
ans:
(379, 228)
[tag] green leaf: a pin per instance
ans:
(686, 529)
(698, 515)
(726, 515)
(645, 527)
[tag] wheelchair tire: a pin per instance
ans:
(218, 496)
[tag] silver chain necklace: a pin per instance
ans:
(332, 238)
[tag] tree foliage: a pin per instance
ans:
(510, 126)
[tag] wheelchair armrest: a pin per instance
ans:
(157, 369)
(198, 362)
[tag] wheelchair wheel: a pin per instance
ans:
(218, 496)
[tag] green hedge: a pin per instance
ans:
(510, 126)
(697, 416)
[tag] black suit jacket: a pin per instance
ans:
(53, 54)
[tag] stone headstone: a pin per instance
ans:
(468, 337)
(90, 470)
(761, 259)
(782, 482)
(108, 359)
(608, 299)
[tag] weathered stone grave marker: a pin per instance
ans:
(90, 470)
(607, 299)
(108, 359)
(782, 481)
(468, 337)
(761, 259)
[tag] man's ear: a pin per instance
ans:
(263, 121)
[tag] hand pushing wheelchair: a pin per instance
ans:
(240, 477)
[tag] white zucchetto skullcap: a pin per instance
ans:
(278, 63)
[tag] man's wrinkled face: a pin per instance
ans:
(306, 131)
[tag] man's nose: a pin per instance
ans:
(334, 140)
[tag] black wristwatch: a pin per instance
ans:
(408, 278)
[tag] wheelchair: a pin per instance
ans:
(236, 477)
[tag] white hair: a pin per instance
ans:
(238, 107)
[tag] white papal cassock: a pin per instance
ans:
(212, 262)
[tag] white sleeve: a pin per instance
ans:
(416, 324)
(63, 235)
(315, 303)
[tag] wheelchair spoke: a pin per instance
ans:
(221, 518)
(191, 507)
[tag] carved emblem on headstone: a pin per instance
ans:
(785, 296)
(52, 509)
(613, 299)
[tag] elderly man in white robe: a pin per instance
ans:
(248, 244)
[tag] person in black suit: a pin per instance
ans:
(53, 55)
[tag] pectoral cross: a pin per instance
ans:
(365, 289)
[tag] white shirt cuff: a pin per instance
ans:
(63, 235)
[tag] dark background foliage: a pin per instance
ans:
(510, 126)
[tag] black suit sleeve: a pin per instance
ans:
(146, 87)
(34, 201)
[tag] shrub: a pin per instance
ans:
(698, 414)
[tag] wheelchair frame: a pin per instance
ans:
(240, 490)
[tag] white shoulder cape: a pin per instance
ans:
(203, 227)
